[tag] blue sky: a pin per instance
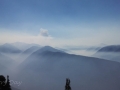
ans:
(65, 21)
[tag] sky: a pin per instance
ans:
(60, 22)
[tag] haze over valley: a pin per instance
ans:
(46, 67)
(59, 44)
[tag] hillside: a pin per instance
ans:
(111, 48)
(49, 69)
(109, 52)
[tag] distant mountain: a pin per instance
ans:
(31, 50)
(47, 48)
(23, 46)
(112, 56)
(7, 48)
(112, 48)
(27, 52)
(49, 68)
(44, 49)
(109, 52)
(93, 48)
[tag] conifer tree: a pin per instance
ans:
(67, 86)
(3, 84)
(8, 87)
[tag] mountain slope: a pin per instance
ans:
(23, 46)
(13, 88)
(31, 49)
(7, 48)
(5, 61)
(112, 48)
(27, 52)
(2, 68)
(109, 52)
(49, 69)
(47, 48)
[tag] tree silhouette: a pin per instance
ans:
(4, 85)
(67, 86)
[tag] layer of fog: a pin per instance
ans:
(112, 56)
(49, 70)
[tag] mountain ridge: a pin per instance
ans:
(110, 48)
(8, 48)
(56, 66)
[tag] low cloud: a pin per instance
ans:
(43, 38)
(44, 32)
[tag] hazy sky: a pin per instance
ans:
(60, 22)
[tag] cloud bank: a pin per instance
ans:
(44, 38)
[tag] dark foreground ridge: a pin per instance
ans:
(4, 85)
